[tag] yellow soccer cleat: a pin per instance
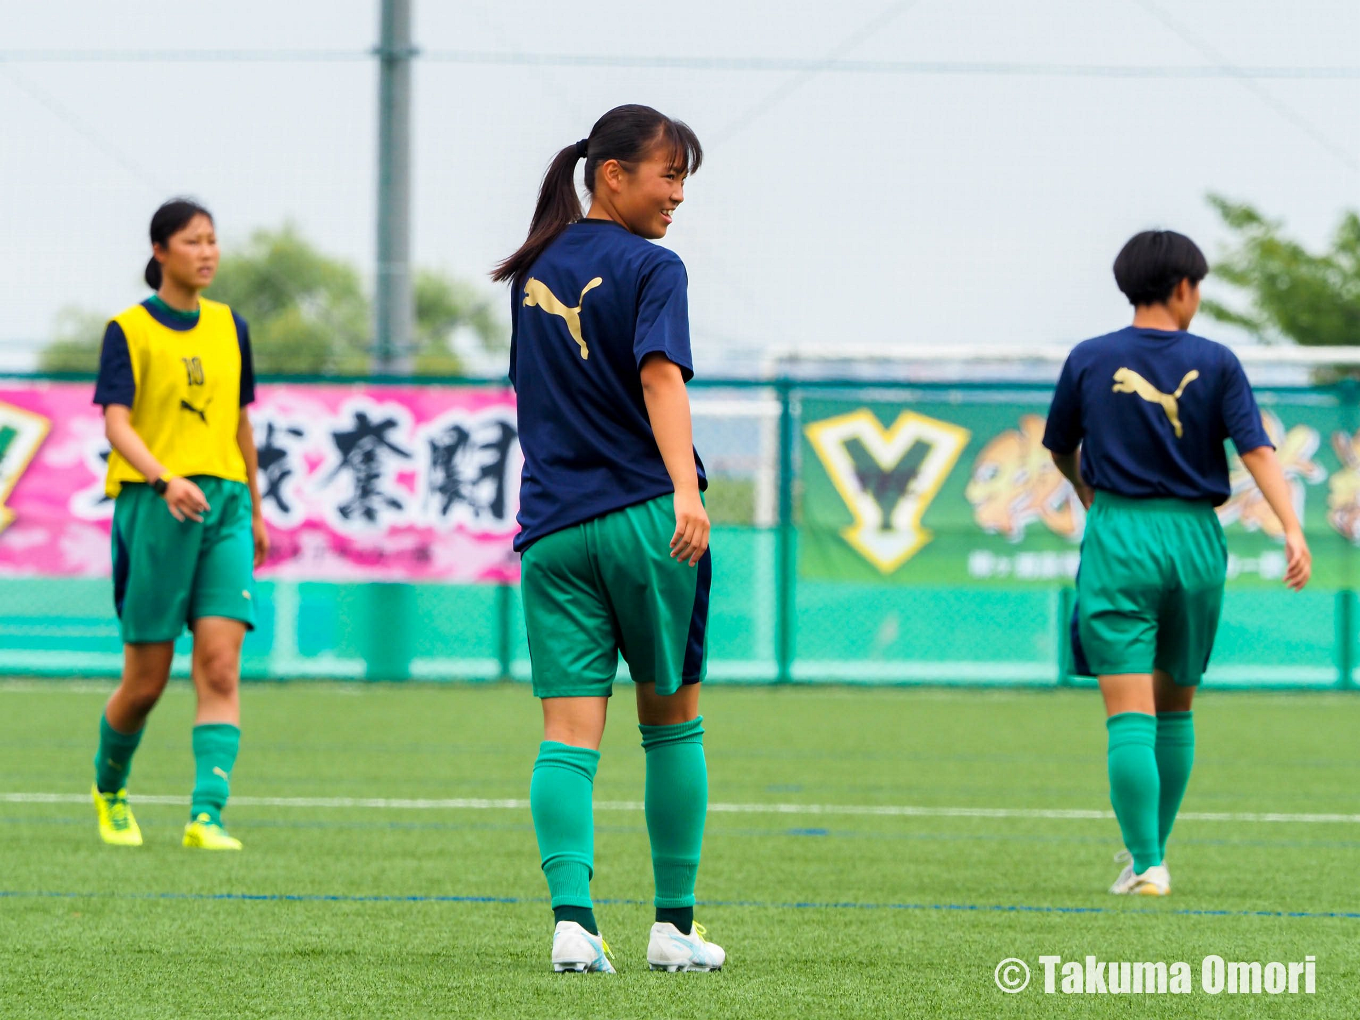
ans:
(204, 834)
(117, 827)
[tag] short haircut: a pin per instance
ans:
(1150, 266)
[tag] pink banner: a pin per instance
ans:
(359, 482)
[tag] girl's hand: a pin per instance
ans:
(690, 541)
(185, 500)
(1298, 560)
(261, 539)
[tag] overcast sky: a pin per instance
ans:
(874, 201)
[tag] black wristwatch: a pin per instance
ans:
(161, 484)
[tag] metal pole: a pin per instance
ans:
(394, 304)
(505, 610)
(1345, 639)
(786, 568)
(1067, 599)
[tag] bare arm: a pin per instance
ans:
(124, 438)
(183, 497)
(1265, 468)
(245, 439)
(663, 390)
(1070, 465)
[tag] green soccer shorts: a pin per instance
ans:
(1150, 589)
(608, 587)
(168, 573)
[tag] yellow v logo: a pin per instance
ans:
(21, 433)
(887, 477)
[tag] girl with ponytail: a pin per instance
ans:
(175, 377)
(613, 530)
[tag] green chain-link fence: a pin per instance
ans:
(863, 533)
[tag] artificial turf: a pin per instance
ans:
(382, 909)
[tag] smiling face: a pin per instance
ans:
(644, 195)
(189, 259)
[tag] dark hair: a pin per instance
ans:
(625, 133)
(1149, 268)
(168, 221)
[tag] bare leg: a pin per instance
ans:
(653, 710)
(1170, 696)
(560, 800)
(217, 733)
(676, 803)
(1175, 750)
(146, 668)
(1128, 692)
(578, 722)
(217, 669)
(1132, 762)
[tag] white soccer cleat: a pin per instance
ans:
(672, 950)
(1155, 881)
(576, 951)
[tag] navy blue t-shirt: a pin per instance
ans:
(1151, 409)
(583, 318)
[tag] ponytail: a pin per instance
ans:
(558, 208)
(169, 220)
(626, 134)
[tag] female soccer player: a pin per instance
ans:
(1150, 407)
(175, 377)
(614, 533)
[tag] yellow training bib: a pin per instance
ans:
(188, 391)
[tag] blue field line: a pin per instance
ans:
(977, 908)
(806, 833)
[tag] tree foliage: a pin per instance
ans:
(307, 311)
(308, 314)
(1291, 293)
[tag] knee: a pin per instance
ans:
(140, 694)
(668, 710)
(219, 672)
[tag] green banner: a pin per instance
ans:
(962, 491)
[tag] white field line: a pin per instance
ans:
(515, 804)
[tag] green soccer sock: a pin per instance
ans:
(1175, 758)
(1134, 786)
(113, 760)
(215, 749)
(676, 804)
(560, 802)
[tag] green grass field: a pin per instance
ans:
(831, 900)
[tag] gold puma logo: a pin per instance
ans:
(537, 294)
(1126, 380)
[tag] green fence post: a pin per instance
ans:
(1345, 639)
(785, 566)
(389, 644)
(1067, 600)
(504, 638)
